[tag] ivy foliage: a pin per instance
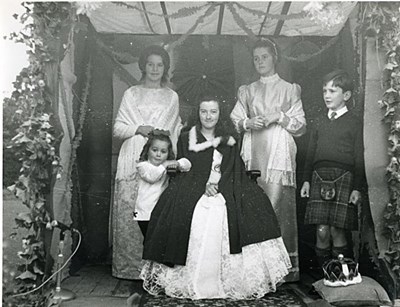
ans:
(32, 138)
(383, 19)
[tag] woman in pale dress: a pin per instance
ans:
(145, 107)
(213, 232)
(270, 113)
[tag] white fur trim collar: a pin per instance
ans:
(196, 147)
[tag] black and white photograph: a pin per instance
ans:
(195, 154)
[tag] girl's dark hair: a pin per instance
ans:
(224, 127)
(268, 44)
(155, 50)
(144, 156)
(340, 78)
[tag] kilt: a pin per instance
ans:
(337, 212)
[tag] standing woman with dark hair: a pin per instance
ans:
(270, 113)
(145, 107)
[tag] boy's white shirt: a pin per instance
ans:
(339, 112)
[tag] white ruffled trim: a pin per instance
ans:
(196, 147)
(269, 79)
(339, 283)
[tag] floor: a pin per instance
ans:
(94, 286)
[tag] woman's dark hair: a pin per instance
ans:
(224, 127)
(144, 156)
(340, 78)
(155, 50)
(268, 44)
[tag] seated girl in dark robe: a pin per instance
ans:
(213, 232)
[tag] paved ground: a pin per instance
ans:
(96, 302)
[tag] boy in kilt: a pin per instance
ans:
(333, 170)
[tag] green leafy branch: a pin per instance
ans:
(383, 20)
(36, 141)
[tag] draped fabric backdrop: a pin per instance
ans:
(217, 64)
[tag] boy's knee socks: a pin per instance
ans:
(323, 255)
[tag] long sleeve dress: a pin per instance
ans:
(140, 106)
(272, 149)
(223, 246)
(151, 182)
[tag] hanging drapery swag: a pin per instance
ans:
(189, 11)
(181, 13)
(111, 59)
(200, 20)
(235, 8)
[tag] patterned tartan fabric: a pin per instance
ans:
(337, 212)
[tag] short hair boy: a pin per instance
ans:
(333, 169)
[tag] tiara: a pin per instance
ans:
(264, 39)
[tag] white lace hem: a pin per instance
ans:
(210, 270)
(249, 275)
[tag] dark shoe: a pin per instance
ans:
(133, 300)
(313, 293)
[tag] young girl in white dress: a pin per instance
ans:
(157, 155)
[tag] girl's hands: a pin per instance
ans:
(171, 164)
(258, 122)
(144, 130)
(271, 118)
(211, 189)
(255, 123)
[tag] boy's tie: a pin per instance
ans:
(333, 116)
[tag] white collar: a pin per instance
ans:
(339, 112)
(196, 147)
(269, 79)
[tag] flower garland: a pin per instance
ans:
(189, 11)
(327, 14)
(321, 13)
(263, 14)
(306, 57)
(200, 20)
(86, 8)
(111, 57)
(301, 58)
(181, 13)
(82, 116)
(240, 22)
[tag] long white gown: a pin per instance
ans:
(140, 106)
(272, 150)
(210, 270)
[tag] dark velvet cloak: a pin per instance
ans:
(251, 218)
